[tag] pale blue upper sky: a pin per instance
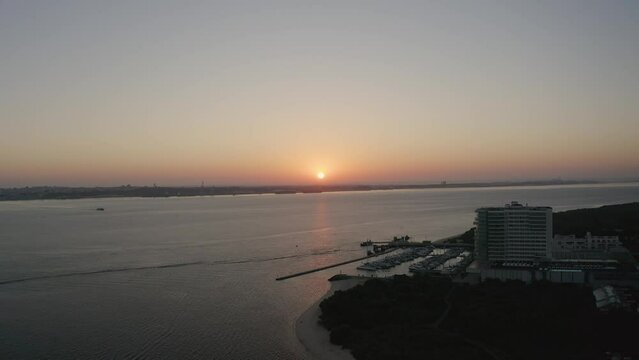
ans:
(176, 92)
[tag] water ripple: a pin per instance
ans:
(163, 266)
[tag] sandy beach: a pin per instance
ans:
(313, 336)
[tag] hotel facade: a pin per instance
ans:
(513, 235)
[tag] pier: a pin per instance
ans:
(390, 246)
(333, 265)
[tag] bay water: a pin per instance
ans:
(192, 278)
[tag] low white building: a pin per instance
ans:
(590, 242)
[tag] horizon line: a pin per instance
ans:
(556, 181)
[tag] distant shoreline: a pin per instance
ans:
(72, 193)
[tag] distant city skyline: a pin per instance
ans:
(268, 93)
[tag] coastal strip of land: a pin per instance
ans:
(314, 337)
(62, 193)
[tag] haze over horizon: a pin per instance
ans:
(258, 92)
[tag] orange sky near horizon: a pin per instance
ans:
(272, 93)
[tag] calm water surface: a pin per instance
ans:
(194, 277)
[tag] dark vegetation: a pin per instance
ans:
(621, 220)
(468, 237)
(541, 321)
(384, 319)
(392, 319)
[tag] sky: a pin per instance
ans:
(273, 92)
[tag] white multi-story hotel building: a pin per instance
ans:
(514, 235)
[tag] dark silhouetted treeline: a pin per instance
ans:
(541, 321)
(391, 319)
(384, 319)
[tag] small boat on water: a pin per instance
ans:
(99, 209)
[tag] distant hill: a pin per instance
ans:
(621, 220)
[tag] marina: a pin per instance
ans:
(401, 256)
(430, 264)
(396, 259)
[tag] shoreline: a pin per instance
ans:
(313, 336)
(39, 193)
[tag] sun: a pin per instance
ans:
(321, 175)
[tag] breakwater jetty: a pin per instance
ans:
(385, 247)
(333, 265)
